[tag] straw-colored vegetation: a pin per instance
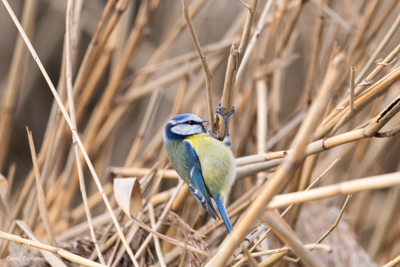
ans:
(316, 90)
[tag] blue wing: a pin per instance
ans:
(198, 187)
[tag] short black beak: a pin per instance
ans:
(204, 123)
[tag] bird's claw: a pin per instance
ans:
(221, 111)
(214, 135)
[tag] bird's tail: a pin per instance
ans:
(224, 215)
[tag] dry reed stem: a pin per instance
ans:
(331, 13)
(74, 131)
(17, 71)
(93, 44)
(388, 8)
(349, 187)
(336, 221)
(315, 51)
(173, 34)
(206, 69)
(120, 8)
(281, 45)
(4, 199)
(369, 13)
(368, 80)
(181, 59)
(351, 13)
(250, 258)
(151, 108)
(352, 86)
(379, 49)
(165, 80)
(284, 249)
(70, 94)
(374, 91)
(113, 85)
(304, 174)
(288, 208)
(104, 237)
(131, 234)
(283, 174)
(162, 216)
(59, 251)
(114, 252)
(229, 84)
(289, 237)
(260, 26)
(81, 228)
(277, 18)
(260, 240)
(262, 116)
(52, 259)
(393, 262)
(273, 259)
(156, 240)
(93, 201)
(247, 30)
(168, 239)
(383, 225)
(371, 130)
(87, 62)
(389, 133)
(92, 82)
(235, 60)
(40, 193)
(3, 248)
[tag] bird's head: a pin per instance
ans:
(182, 126)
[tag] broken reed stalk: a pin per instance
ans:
(44, 214)
(70, 94)
(73, 130)
(206, 69)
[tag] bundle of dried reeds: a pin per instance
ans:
(315, 86)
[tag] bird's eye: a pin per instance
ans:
(191, 123)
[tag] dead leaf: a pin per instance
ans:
(128, 195)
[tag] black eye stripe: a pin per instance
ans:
(193, 122)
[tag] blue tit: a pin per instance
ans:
(204, 163)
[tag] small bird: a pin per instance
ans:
(204, 163)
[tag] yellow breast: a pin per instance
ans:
(218, 165)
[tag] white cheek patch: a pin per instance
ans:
(185, 129)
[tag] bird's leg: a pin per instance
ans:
(214, 135)
(227, 140)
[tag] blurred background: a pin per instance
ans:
(149, 67)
